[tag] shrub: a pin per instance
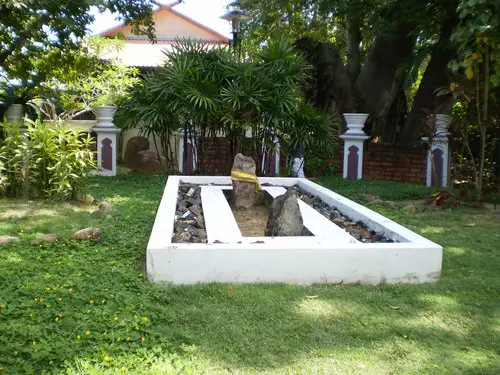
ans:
(47, 161)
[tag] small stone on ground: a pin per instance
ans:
(5, 240)
(105, 206)
(411, 209)
(375, 202)
(86, 199)
(46, 238)
(88, 234)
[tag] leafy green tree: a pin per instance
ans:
(89, 81)
(37, 35)
(477, 82)
(366, 53)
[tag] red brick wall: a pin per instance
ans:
(380, 161)
(389, 163)
(215, 158)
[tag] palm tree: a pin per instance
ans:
(206, 92)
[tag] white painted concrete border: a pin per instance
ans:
(292, 260)
(219, 220)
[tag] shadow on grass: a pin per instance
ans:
(446, 328)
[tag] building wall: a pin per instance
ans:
(169, 25)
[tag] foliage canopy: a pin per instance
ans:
(37, 36)
(206, 91)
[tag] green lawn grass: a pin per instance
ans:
(83, 308)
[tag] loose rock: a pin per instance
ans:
(134, 145)
(105, 206)
(374, 202)
(200, 222)
(285, 218)
(390, 204)
(410, 208)
(47, 238)
(196, 210)
(5, 240)
(88, 234)
(147, 161)
(86, 199)
(370, 197)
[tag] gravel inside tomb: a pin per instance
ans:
(189, 224)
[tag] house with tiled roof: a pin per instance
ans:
(170, 26)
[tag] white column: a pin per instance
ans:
(106, 141)
(354, 139)
(14, 113)
(180, 152)
(439, 144)
(277, 158)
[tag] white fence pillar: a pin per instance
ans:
(353, 139)
(106, 141)
(438, 155)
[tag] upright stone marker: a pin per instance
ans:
(242, 174)
(285, 218)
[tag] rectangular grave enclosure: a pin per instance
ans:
(330, 256)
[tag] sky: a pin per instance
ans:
(206, 12)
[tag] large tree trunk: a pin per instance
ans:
(329, 84)
(435, 77)
(353, 41)
(380, 78)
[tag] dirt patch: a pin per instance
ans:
(252, 221)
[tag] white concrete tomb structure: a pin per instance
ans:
(330, 256)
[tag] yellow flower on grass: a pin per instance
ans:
(106, 358)
(59, 299)
(70, 290)
(91, 301)
(78, 337)
(87, 332)
(34, 342)
(115, 318)
(145, 318)
(36, 299)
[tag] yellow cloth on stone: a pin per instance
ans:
(239, 175)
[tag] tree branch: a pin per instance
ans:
(24, 36)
